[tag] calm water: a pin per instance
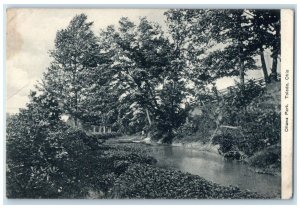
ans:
(214, 168)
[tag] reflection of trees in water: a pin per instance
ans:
(168, 157)
(214, 168)
(231, 166)
(168, 151)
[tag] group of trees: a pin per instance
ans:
(230, 39)
(139, 77)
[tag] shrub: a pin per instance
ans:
(31, 149)
(41, 163)
(266, 158)
(197, 127)
(242, 95)
(255, 114)
(148, 182)
(226, 141)
(56, 161)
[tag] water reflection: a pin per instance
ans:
(214, 168)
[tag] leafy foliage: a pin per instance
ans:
(75, 57)
(224, 42)
(198, 127)
(242, 110)
(268, 158)
(137, 78)
(31, 149)
(145, 76)
(144, 181)
(65, 164)
(47, 159)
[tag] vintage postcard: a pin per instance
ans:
(149, 103)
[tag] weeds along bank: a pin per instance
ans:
(243, 124)
(81, 170)
(61, 162)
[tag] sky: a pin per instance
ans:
(30, 35)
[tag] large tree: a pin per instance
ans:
(75, 56)
(146, 76)
(230, 40)
(265, 29)
(223, 36)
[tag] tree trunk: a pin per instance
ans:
(76, 97)
(168, 137)
(75, 122)
(241, 64)
(213, 135)
(274, 67)
(276, 52)
(148, 117)
(242, 72)
(264, 67)
(240, 51)
(76, 110)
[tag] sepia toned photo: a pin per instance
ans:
(149, 103)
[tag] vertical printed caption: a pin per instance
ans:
(287, 117)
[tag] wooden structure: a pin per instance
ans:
(88, 128)
(95, 129)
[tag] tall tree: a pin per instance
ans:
(230, 39)
(76, 54)
(223, 35)
(266, 35)
(144, 69)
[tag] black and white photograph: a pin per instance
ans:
(111, 103)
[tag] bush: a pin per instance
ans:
(148, 182)
(226, 141)
(56, 161)
(197, 127)
(242, 95)
(267, 158)
(254, 112)
(45, 166)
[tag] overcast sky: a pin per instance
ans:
(31, 33)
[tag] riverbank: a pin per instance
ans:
(146, 140)
(255, 163)
(208, 165)
(91, 169)
(144, 180)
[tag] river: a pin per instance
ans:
(213, 167)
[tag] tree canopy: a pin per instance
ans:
(138, 77)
